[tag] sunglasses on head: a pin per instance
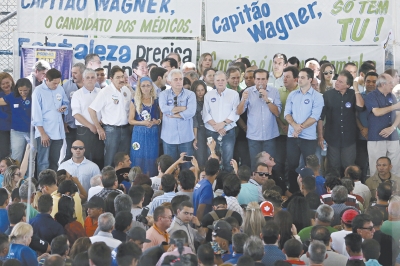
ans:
(328, 72)
(78, 147)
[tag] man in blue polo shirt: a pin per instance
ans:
(49, 102)
(383, 118)
(203, 192)
(303, 109)
(262, 130)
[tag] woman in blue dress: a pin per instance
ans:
(144, 115)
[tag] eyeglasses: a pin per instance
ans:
(176, 100)
(368, 228)
(262, 173)
(328, 72)
(188, 213)
(78, 147)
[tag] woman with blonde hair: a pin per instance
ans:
(20, 238)
(253, 221)
(12, 176)
(6, 86)
(144, 115)
(326, 74)
(205, 61)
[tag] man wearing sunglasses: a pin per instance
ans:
(79, 166)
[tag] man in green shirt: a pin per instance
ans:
(290, 77)
(392, 225)
(23, 194)
(323, 217)
(233, 78)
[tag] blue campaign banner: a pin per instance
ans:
(60, 59)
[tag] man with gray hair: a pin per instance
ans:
(24, 195)
(95, 186)
(122, 202)
(39, 73)
(106, 222)
(70, 87)
(320, 234)
(317, 254)
(383, 120)
(86, 130)
(339, 197)
(178, 106)
(188, 67)
(219, 116)
(323, 217)
(392, 225)
(254, 248)
(191, 75)
(238, 241)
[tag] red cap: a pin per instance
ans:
(267, 208)
(349, 215)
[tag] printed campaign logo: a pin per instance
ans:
(348, 105)
(213, 100)
(307, 101)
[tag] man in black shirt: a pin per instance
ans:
(340, 132)
(219, 211)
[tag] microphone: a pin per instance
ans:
(260, 95)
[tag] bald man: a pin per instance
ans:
(392, 225)
(80, 167)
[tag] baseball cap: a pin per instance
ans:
(349, 215)
(222, 229)
(267, 208)
(95, 202)
(304, 171)
(138, 233)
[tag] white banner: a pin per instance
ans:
(112, 51)
(262, 54)
(148, 18)
(340, 22)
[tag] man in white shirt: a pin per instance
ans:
(86, 130)
(106, 224)
(279, 63)
(354, 173)
(95, 186)
(79, 166)
(113, 105)
(163, 163)
(219, 116)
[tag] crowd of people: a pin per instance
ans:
(184, 164)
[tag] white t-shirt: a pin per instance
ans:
(81, 101)
(155, 183)
(113, 105)
(338, 241)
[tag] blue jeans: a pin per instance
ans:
(118, 139)
(174, 150)
(18, 144)
(297, 147)
(225, 146)
(257, 146)
(47, 157)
